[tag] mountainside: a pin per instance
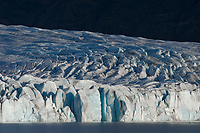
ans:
(167, 20)
(68, 76)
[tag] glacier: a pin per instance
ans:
(81, 76)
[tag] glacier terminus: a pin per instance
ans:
(81, 76)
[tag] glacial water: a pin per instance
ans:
(101, 128)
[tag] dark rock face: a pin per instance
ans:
(169, 19)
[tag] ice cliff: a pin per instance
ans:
(68, 76)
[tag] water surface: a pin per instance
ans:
(101, 128)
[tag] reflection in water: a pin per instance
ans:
(101, 128)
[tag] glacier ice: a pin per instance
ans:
(69, 76)
(95, 102)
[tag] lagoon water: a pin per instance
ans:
(100, 128)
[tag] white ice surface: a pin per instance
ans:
(68, 76)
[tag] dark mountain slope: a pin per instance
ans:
(169, 20)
